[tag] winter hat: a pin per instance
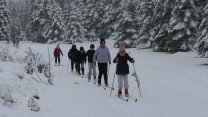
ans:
(92, 46)
(102, 40)
(81, 48)
(122, 47)
(74, 46)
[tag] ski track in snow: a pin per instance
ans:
(172, 85)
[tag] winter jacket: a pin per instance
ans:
(102, 55)
(122, 66)
(57, 52)
(80, 57)
(72, 53)
(89, 54)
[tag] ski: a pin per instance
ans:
(58, 65)
(124, 98)
(105, 87)
(108, 87)
(132, 98)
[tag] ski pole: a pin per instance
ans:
(68, 66)
(108, 69)
(137, 80)
(51, 60)
(113, 83)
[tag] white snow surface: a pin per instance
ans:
(172, 85)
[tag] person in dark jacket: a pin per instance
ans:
(80, 60)
(56, 53)
(92, 66)
(71, 55)
(122, 68)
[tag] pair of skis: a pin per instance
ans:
(106, 87)
(126, 98)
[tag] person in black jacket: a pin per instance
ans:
(92, 66)
(71, 55)
(80, 60)
(122, 68)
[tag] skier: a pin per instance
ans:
(71, 55)
(102, 56)
(17, 42)
(13, 40)
(92, 66)
(56, 53)
(122, 68)
(80, 60)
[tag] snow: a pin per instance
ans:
(172, 85)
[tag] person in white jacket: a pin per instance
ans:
(103, 57)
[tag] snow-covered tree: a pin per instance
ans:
(200, 4)
(183, 25)
(40, 23)
(4, 21)
(146, 32)
(24, 11)
(57, 29)
(161, 19)
(203, 38)
(127, 27)
(75, 29)
(94, 18)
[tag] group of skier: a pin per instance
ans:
(102, 57)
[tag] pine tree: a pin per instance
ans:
(161, 19)
(57, 29)
(4, 21)
(76, 30)
(127, 27)
(24, 12)
(146, 32)
(41, 21)
(183, 27)
(203, 38)
(94, 18)
(110, 18)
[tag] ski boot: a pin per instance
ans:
(119, 92)
(126, 93)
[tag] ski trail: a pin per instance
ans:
(87, 95)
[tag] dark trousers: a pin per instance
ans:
(102, 67)
(73, 63)
(80, 66)
(57, 58)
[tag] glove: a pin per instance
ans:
(117, 60)
(133, 60)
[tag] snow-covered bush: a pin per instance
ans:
(4, 55)
(34, 62)
(5, 93)
(33, 105)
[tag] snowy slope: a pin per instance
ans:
(172, 85)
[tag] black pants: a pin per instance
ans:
(73, 63)
(58, 57)
(102, 67)
(78, 67)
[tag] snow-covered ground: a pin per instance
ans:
(172, 85)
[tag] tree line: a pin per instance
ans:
(163, 25)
